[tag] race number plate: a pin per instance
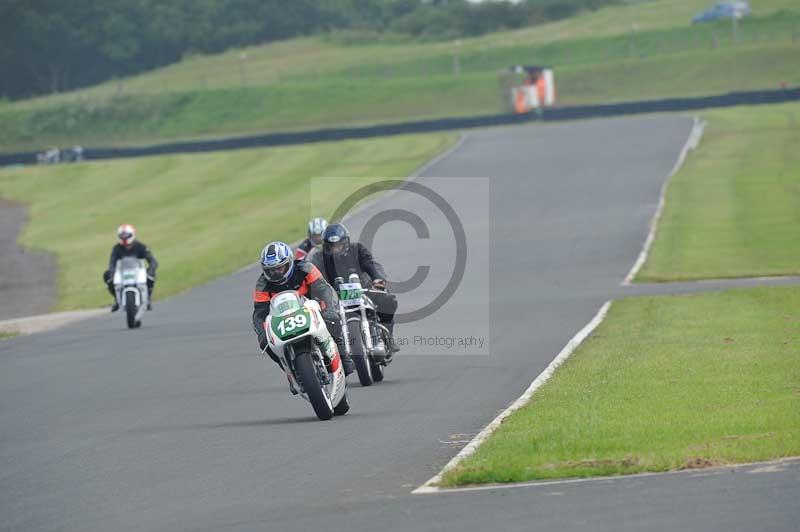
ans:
(350, 294)
(286, 327)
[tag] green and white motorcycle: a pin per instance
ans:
(297, 334)
(367, 339)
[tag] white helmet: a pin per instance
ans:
(316, 226)
(126, 234)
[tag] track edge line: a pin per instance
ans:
(584, 480)
(522, 400)
(695, 134)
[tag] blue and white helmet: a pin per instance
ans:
(277, 261)
(316, 226)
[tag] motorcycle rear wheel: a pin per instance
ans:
(317, 395)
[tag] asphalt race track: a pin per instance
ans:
(182, 425)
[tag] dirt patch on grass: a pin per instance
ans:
(27, 278)
(698, 463)
(629, 461)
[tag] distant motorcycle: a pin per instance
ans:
(130, 285)
(297, 334)
(367, 339)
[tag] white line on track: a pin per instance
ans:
(691, 143)
(544, 376)
(47, 322)
(760, 467)
(436, 160)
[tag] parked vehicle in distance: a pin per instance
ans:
(735, 9)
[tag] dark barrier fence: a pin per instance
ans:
(427, 126)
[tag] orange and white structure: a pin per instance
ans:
(537, 90)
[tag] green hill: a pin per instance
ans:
(630, 52)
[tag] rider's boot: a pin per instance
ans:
(289, 378)
(114, 307)
(329, 350)
(347, 363)
(393, 347)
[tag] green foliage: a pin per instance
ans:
(308, 83)
(51, 46)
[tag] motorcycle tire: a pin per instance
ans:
(343, 407)
(317, 395)
(357, 353)
(130, 311)
(377, 370)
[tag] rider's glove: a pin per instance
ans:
(107, 276)
(379, 284)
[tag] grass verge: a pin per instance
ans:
(204, 215)
(734, 208)
(663, 384)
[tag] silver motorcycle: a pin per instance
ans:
(366, 339)
(130, 287)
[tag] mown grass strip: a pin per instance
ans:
(664, 383)
(204, 215)
(734, 208)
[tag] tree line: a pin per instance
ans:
(49, 46)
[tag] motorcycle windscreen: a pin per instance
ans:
(129, 263)
(285, 303)
(129, 268)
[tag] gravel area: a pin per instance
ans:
(27, 277)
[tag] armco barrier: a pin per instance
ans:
(426, 126)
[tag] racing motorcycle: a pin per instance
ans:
(130, 286)
(366, 338)
(297, 334)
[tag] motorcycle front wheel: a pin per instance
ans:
(317, 394)
(377, 370)
(357, 353)
(130, 311)
(343, 407)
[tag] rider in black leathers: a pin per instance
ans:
(128, 246)
(340, 258)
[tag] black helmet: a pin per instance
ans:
(336, 240)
